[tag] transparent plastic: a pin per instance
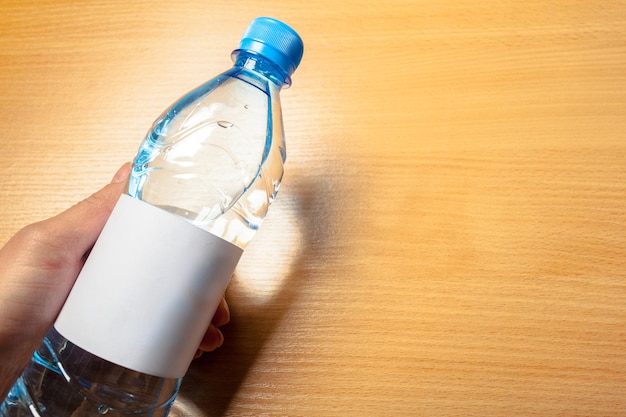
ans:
(214, 158)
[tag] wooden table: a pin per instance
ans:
(450, 239)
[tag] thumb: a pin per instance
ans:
(79, 226)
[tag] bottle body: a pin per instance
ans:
(215, 159)
(66, 380)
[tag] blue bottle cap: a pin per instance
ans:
(275, 41)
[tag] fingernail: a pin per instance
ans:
(221, 336)
(121, 174)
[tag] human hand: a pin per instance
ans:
(38, 267)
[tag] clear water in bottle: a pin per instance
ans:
(230, 195)
(214, 158)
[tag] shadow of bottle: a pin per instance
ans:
(293, 234)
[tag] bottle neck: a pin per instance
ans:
(264, 67)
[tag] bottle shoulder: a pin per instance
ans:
(208, 149)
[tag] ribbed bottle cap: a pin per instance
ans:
(275, 41)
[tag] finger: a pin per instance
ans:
(79, 226)
(222, 314)
(122, 174)
(61, 241)
(213, 338)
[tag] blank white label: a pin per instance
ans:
(148, 290)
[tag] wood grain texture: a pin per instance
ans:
(450, 238)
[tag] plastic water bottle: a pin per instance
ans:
(200, 186)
